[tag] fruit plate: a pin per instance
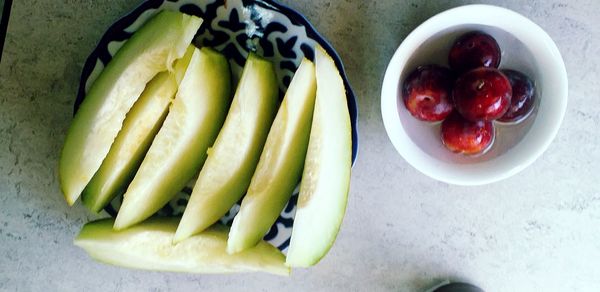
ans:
(234, 27)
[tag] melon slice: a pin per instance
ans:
(152, 49)
(148, 246)
(179, 149)
(280, 165)
(225, 176)
(139, 128)
(326, 175)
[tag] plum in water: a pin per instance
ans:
(482, 94)
(462, 136)
(427, 93)
(472, 50)
(523, 97)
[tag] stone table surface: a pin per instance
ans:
(537, 231)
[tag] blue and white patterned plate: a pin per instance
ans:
(234, 27)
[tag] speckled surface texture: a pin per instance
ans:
(538, 231)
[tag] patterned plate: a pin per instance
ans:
(234, 27)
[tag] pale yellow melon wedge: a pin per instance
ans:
(179, 149)
(280, 165)
(231, 162)
(148, 246)
(326, 176)
(152, 49)
(139, 128)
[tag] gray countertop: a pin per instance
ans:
(537, 231)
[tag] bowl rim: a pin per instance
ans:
(391, 82)
(117, 28)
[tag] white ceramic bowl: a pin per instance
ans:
(525, 47)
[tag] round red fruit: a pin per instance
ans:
(427, 93)
(462, 136)
(482, 94)
(523, 97)
(472, 50)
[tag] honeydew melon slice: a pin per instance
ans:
(179, 149)
(225, 176)
(139, 128)
(152, 49)
(148, 246)
(326, 175)
(280, 165)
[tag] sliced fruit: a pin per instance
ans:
(152, 49)
(179, 149)
(149, 246)
(232, 160)
(139, 128)
(280, 165)
(326, 176)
